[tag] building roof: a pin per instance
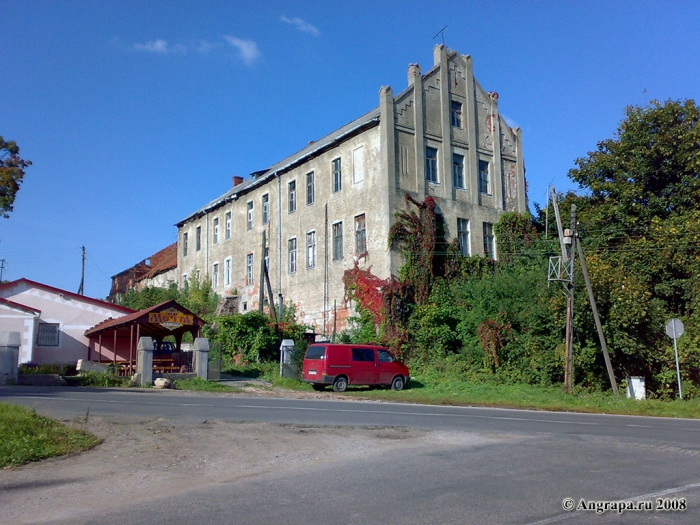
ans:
(142, 317)
(66, 293)
(18, 306)
(313, 149)
(162, 261)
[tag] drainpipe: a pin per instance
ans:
(279, 241)
(206, 247)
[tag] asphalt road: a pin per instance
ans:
(509, 466)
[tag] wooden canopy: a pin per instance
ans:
(117, 339)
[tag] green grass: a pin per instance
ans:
(268, 371)
(433, 390)
(202, 385)
(26, 436)
(421, 390)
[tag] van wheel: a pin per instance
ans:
(397, 383)
(340, 384)
(318, 388)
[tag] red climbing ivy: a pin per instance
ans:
(389, 300)
(413, 235)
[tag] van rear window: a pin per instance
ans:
(316, 352)
(363, 354)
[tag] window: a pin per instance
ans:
(358, 165)
(360, 235)
(215, 275)
(484, 182)
(266, 208)
(292, 196)
(489, 241)
(227, 271)
(311, 249)
(385, 356)
(463, 236)
(458, 170)
(198, 238)
(184, 280)
(47, 334)
(228, 225)
(310, 195)
(215, 239)
(431, 166)
(184, 245)
(337, 241)
(316, 352)
(456, 114)
(337, 176)
(249, 268)
(363, 354)
(292, 247)
(249, 225)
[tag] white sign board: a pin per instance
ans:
(674, 328)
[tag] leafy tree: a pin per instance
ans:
(641, 229)
(198, 297)
(149, 296)
(250, 337)
(12, 168)
(651, 169)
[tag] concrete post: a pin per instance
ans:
(9, 357)
(201, 357)
(144, 361)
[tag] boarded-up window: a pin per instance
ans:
(358, 165)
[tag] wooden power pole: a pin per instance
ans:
(596, 317)
(569, 370)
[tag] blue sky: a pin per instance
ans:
(136, 113)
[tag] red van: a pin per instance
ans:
(341, 365)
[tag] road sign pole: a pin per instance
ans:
(678, 369)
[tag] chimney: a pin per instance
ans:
(413, 72)
(237, 180)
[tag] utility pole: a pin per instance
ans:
(596, 317)
(2, 267)
(81, 288)
(265, 283)
(261, 294)
(571, 240)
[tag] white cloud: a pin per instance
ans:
(204, 47)
(247, 49)
(301, 25)
(153, 46)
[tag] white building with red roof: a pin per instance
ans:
(51, 322)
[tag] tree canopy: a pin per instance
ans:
(12, 168)
(649, 170)
(640, 223)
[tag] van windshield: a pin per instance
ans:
(316, 352)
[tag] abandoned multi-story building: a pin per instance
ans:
(331, 204)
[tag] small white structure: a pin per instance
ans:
(636, 387)
(287, 366)
(51, 321)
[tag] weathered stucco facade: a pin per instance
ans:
(332, 203)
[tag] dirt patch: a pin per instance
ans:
(140, 460)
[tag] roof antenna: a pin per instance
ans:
(442, 34)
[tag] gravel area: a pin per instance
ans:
(142, 459)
